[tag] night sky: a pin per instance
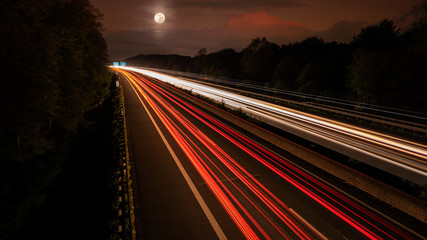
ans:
(130, 28)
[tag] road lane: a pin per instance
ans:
(274, 203)
(165, 207)
(397, 156)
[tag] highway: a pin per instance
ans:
(199, 177)
(256, 87)
(404, 158)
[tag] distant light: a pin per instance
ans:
(122, 64)
(159, 18)
(115, 64)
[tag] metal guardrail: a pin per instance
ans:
(421, 128)
(370, 117)
(126, 228)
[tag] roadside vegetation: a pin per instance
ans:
(382, 65)
(57, 162)
(83, 201)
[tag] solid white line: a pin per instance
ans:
(308, 224)
(190, 183)
(360, 202)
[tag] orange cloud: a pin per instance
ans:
(261, 24)
(258, 19)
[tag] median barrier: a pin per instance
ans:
(396, 198)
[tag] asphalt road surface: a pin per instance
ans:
(401, 157)
(199, 177)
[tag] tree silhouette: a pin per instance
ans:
(53, 70)
(378, 37)
(380, 65)
(259, 60)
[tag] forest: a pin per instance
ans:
(381, 65)
(53, 59)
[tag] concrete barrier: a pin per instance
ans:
(396, 198)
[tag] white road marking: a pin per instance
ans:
(190, 183)
(308, 224)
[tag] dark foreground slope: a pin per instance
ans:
(53, 71)
(80, 202)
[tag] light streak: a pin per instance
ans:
(204, 173)
(187, 134)
(404, 158)
(226, 133)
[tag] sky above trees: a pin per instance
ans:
(216, 24)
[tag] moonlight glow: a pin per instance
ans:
(159, 18)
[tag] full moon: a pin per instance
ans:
(159, 18)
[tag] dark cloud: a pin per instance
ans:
(125, 44)
(238, 4)
(342, 31)
(416, 11)
(236, 33)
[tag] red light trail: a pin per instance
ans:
(245, 205)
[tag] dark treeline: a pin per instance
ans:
(380, 66)
(53, 70)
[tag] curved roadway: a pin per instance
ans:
(397, 156)
(198, 177)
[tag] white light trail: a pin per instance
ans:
(377, 148)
